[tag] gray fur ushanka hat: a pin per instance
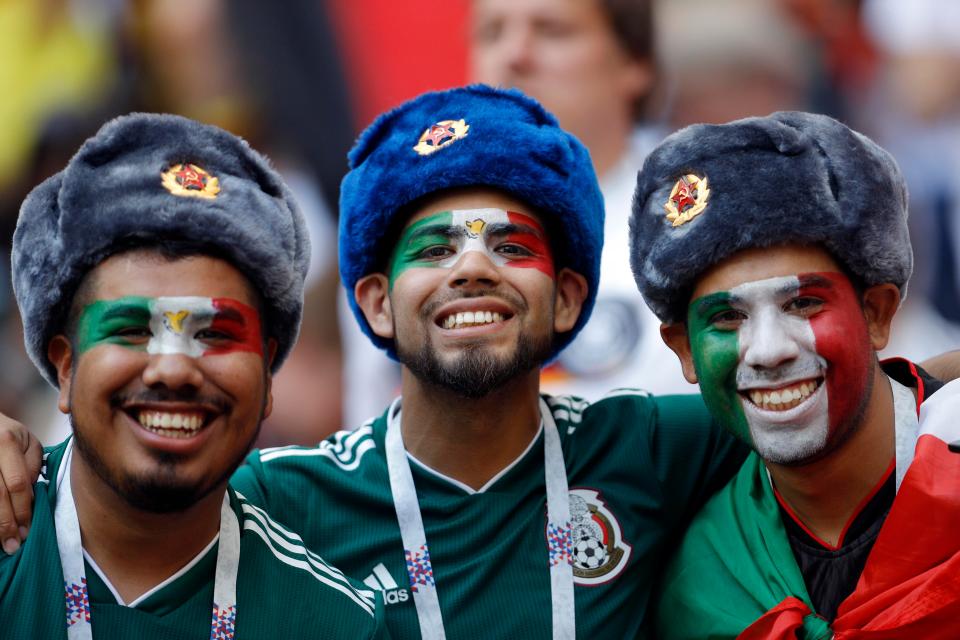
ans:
(147, 177)
(708, 191)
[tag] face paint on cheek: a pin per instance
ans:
(842, 339)
(716, 355)
(193, 326)
(505, 238)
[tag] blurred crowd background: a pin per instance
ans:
(300, 78)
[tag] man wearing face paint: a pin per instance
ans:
(160, 280)
(776, 252)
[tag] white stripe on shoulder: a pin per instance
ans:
(344, 448)
(43, 469)
(627, 391)
(288, 548)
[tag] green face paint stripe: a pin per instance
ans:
(415, 239)
(100, 320)
(716, 354)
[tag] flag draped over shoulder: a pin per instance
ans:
(736, 577)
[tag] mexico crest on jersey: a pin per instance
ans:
(599, 551)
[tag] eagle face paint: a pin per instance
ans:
(505, 237)
(783, 362)
(191, 326)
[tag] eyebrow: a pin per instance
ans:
(125, 310)
(814, 280)
(228, 313)
(503, 228)
(446, 230)
(709, 300)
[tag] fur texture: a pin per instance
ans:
(790, 177)
(513, 144)
(111, 191)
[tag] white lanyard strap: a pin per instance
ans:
(75, 578)
(417, 553)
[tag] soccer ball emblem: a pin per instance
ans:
(589, 553)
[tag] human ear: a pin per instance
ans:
(568, 302)
(373, 296)
(675, 336)
(880, 302)
(268, 394)
(60, 354)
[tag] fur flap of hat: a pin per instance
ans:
(512, 145)
(111, 191)
(789, 178)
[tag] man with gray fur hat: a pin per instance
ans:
(160, 281)
(776, 252)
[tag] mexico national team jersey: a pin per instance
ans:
(283, 591)
(637, 467)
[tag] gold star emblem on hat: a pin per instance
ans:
(688, 199)
(440, 135)
(191, 181)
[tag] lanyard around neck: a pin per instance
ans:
(559, 534)
(77, 596)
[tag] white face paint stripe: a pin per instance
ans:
(174, 323)
(474, 222)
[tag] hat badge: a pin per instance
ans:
(440, 135)
(191, 181)
(688, 199)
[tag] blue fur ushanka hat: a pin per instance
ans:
(148, 177)
(709, 191)
(470, 136)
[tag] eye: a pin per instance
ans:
(133, 333)
(803, 306)
(211, 335)
(728, 319)
(435, 252)
(513, 250)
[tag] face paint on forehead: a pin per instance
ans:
(505, 237)
(192, 326)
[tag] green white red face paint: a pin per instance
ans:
(192, 326)
(783, 362)
(505, 237)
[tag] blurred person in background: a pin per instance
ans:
(592, 63)
(914, 110)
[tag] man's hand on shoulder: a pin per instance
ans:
(20, 459)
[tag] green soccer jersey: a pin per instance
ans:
(637, 468)
(283, 590)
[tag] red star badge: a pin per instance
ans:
(685, 196)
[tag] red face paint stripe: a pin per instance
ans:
(536, 243)
(840, 332)
(238, 321)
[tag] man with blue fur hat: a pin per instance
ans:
(160, 281)
(776, 252)
(470, 236)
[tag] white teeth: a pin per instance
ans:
(782, 399)
(470, 318)
(171, 425)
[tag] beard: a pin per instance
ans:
(160, 489)
(476, 372)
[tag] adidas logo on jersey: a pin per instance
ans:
(381, 580)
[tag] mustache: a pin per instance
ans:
(813, 366)
(430, 309)
(145, 396)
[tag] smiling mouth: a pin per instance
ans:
(171, 424)
(463, 319)
(783, 398)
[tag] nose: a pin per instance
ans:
(172, 371)
(769, 342)
(474, 269)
